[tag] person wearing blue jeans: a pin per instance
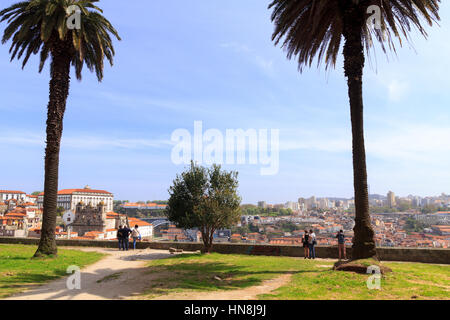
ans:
(125, 244)
(135, 234)
(312, 243)
(120, 237)
(126, 234)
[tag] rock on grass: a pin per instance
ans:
(360, 266)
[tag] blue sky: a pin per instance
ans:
(203, 60)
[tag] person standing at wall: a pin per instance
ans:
(341, 244)
(312, 243)
(136, 235)
(120, 238)
(306, 244)
(126, 235)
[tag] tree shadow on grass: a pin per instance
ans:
(18, 258)
(210, 276)
(30, 278)
(23, 281)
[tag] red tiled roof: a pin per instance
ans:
(12, 192)
(139, 222)
(29, 204)
(113, 215)
(72, 191)
(16, 214)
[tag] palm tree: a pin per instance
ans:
(41, 26)
(310, 29)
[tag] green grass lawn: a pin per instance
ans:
(311, 279)
(18, 271)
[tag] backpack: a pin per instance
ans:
(135, 233)
(312, 240)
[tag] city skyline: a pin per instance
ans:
(329, 197)
(230, 75)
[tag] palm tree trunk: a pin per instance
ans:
(59, 91)
(363, 241)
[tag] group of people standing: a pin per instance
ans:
(123, 236)
(309, 242)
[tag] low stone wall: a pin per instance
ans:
(426, 255)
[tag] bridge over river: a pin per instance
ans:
(157, 221)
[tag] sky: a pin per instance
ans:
(214, 62)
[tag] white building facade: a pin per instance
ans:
(9, 194)
(69, 198)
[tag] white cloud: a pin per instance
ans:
(83, 142)
(410, 143)
(266, 65)
(398, 90)
(236, 47)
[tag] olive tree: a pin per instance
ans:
(204, 198)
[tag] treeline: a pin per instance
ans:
(251, 210)
(405, 207)
(119, 202)
(412, 225)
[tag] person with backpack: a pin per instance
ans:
(341, 244)
(135, 234)
(120, 237)
(126, 235)
(312, 242)
(305, 243)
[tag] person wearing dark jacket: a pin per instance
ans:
(305, 244)
(120, 237)
(341, 244)
(126, 235)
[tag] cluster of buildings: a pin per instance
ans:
(326, 216)
(271, 230)
(389, 201)
(390, 230)
(94, 218)
(412, 201)
(172, 233)
(18, 213)
(312, 203)
(142, 208)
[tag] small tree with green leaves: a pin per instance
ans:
(204, 198)
(60, 211)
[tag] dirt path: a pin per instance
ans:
(240, 294)
(124, 275)
(119, 275)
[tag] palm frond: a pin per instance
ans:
(313, 29)
(39, 26)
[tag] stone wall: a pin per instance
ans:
(426, 255)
